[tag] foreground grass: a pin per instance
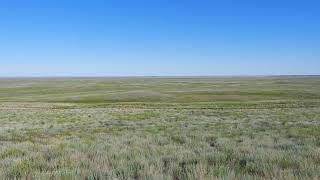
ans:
(185, 128)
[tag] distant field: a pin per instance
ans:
(160, 128)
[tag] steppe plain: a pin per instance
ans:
(160, 128)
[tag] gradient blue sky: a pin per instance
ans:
(159, 37)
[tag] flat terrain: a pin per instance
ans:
(160, 128)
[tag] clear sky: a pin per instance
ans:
(159, 37)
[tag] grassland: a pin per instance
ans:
(160, 128)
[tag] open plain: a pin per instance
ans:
(160, 128)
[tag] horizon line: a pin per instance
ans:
(162, 76)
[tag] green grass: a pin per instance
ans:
(160, 128)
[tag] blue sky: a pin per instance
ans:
(159, 37)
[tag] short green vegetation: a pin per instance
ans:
(160, 128)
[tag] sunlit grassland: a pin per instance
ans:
(160, 128)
